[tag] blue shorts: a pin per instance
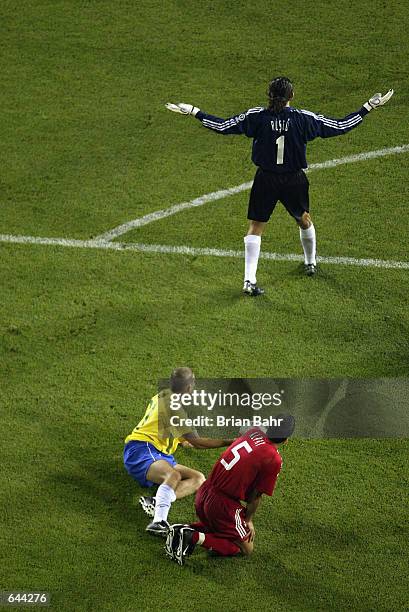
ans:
(139, 456)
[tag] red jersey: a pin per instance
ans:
(251, 462)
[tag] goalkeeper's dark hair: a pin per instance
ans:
(280, 91)
(180, 379)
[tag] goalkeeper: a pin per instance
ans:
(280, 135)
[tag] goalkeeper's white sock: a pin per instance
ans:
(164, 497)
(252, 246)
(308, 241)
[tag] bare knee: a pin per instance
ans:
(305, 221)
(172, 479)
(199, 479)
(255, 228)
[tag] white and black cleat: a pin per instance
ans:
(252, 289)
(310, 269)
(185, 545)
(160, 528)
(148, 505)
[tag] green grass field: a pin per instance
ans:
(85, 145)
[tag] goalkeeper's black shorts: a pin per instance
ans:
(290, 188)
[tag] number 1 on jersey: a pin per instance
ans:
(280, 149)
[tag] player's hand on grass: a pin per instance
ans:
(186, 444)
(252, 531)
(378, 100)
(181, 107)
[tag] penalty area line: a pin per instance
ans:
(196, 251)
(124, 228)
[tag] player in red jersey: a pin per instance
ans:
(244, 472)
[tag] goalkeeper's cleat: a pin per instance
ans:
(148, 505)
(172, 539)
(186, 545)
(310, 269)
(160, 528)
(252, 289)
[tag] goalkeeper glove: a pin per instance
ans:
(184, 109)
(378, 100)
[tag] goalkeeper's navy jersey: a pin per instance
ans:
(280, 139)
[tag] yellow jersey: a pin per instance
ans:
(154, 427)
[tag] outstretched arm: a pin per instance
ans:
(326, 127)
(245, 123)
(202, 443)
(319, 126)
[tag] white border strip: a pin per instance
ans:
(187, 250)
(224, 193)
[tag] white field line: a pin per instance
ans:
(186, 250)
(224, 193)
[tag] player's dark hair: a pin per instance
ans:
(282, 432)
(180, 379)
(278, 440)
(280, 90)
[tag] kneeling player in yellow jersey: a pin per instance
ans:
(148, 455)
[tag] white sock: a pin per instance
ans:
(165, 495)
(252, 246)
(307, 237)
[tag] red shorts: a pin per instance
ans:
(220, 514)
